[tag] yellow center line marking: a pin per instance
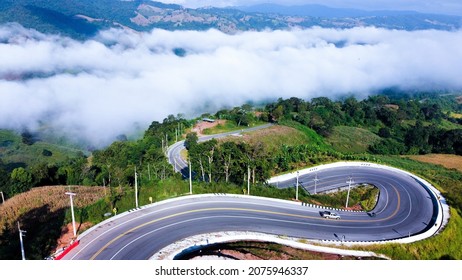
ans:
(239, 210)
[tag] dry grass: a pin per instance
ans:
(448, 161)
(54, 197)
(456, 115)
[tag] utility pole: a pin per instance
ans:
(296, 188)
(3, 198)
(315, 182)
(136, 189)
(350, 181)
(149, 173)
(21, 234)
(248, 179)
(104, 187)
(190, 177)
(70, 194)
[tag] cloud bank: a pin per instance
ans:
(120, 80)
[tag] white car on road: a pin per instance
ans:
(330, 215)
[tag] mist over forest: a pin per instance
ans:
(120, 81)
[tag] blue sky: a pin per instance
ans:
(427, 6)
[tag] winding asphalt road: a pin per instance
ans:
(174, 151)
(405, 208)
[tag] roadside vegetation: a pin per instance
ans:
(387, 129)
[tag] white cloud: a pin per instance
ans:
(100, 88)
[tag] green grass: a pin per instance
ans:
(276, 136)
(447, 125)
(314, 139)
(352, 140)
(446, 245)
(229, 126)
(365, 196)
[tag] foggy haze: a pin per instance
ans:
(98, 89)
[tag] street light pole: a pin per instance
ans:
(350, 181)
(21, 234)
(70, 194)
(296, 188)
(315, 182)
(248, 179)
(190, 177)
(136, 189)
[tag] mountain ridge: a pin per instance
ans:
(83, 19)
(317, 10)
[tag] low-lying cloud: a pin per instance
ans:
(121, 80)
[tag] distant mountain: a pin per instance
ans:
(82, 19)
(315, 10)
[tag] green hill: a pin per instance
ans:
(354, 140)
(15, 153)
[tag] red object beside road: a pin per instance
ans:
(67, 250)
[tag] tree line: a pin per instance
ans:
(415, 124)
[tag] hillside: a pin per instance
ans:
(272, 138)
(14, 152)
(83, 19)
(347, 139)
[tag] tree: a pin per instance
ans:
(278, 113)
(191, 140)
(388, 146)
(384, 132)
(27, 138)
(417, 137)
(227, 153)
(21, 180)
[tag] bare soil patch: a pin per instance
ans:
(200, 126)
(67, 234)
